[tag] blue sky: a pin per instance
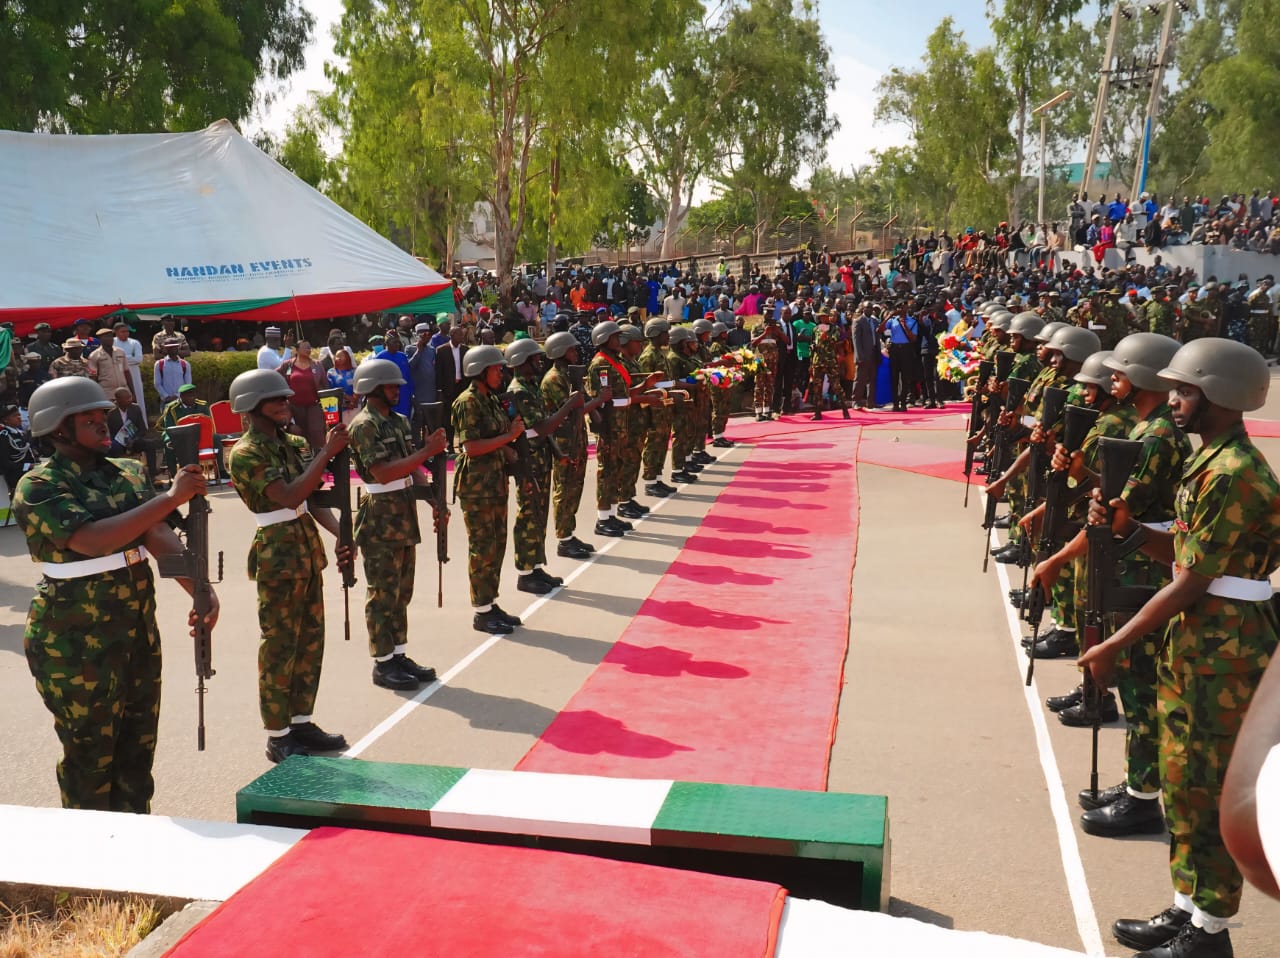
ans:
(867, 38)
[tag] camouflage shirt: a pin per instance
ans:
(1116, 422)
(532, 409)
(1227, 523)
(1160, 317)
(600, 366)
(66, 366)
(570, 440)
(58, 496)
(479, 415)
(1154, 480)
(283, 550)
(1025, 366)
(390, 517)
(823, 358)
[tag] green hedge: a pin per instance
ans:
(210, 372)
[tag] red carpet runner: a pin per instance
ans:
(732, 670)
(340, 893)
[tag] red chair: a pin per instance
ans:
(226, 424)
(208, 456)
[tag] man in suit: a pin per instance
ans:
(449, 378)
(128, 430)
(866, 357)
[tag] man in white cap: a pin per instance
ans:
(273, 355)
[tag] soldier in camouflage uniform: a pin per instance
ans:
(1262, 322)
(533, 499)
(607, 370)
(702, 413)
(654, 359)
(683, 364)
(91, 639)
(1133, 807)
(637, 421)
(723, 401)
(1197, 318)
(1107, 318)
(71, 363)
(386, 526)
(287, 559)
(569, 444)
(1161, 314)
(824, 365)
(483, 431)
(769, 342)
(1022, 332)
(1219, 632)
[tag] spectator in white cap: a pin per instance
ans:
(273, 355)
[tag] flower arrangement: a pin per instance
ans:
(717, 377)
(957, 360)
(747, 361)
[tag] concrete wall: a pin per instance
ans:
(1221, 262)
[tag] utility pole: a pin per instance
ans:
(1043, 111)
(1153, 103)
(1100, 107)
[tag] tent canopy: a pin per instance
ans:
(199, 224)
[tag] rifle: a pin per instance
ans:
(999, 459)
(192, 563)
(986, 368)
(1116, 459)
(522, 469)
(1077, 421)
(433, 419)
(338, 496)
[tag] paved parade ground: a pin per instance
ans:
(710, 644)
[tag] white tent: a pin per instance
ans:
(197, 224)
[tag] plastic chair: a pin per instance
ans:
(226, 423)
(208, 456)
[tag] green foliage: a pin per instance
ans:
(633, 214)
(210, 372)
(136, 66)
(958, 107)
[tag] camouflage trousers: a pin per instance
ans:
(1016, 493)
(388, 575)
(683, 429)
(532, 505)
(1063, 593)
(1200, 718)
(569, 476)
(722, 401)
(94, 651)
(609, 468)
(702, 419)
(656, 438)
(632, 455)
(291, 619)
(486, 522)
(766, 374)
(1136, 686)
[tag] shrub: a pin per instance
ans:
(210, 372)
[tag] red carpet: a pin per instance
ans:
(1262, 428)
(917, 457)
(732, 669)
(341, 893)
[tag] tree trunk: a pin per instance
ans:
(675, 210)
(1020, 146)
(551, 212)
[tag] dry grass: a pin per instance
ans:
(91, 927)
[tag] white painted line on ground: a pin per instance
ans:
(1072, 866)
(400, 714)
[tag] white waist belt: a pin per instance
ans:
(1030, 421)
(376, 488)
(83, 567)
(1159, 526)
(1242, 590)
(279, 515)
(665, 384)
(622, 402)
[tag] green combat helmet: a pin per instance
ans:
(1230, 374)
(560, 343)
(373, 373)
(519, 352)
(480, 358)
(249, 390)
(1141, 356)
(57, 399)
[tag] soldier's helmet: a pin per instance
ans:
(631, 334)
(249, 389)
(1076, 343)
(1230, 374)
(1047, 331)
(1141, 356)
(1094, 370)
(520, 351)
(559, 343)
(480, 358)
(681, 334)
(373, 373)
(718, 329)
(1026, 325)
(57, 399)
(655, 328)
(999, 319)
(601, 332)
(701, 326)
